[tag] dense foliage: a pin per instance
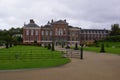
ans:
(115, 30)
(10, 37)
(113, 38)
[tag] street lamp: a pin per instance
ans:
(81, 52)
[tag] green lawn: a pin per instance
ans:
(110, 47)
(107, 49)
(110, 44)
(22, 57)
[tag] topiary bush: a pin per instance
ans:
(49, 46)
(76, 46)
(102, 48)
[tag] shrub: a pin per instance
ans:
(96, 43)
(102, 48)
(67, 47)
(76, 46)
(113, 38)
(49, 46)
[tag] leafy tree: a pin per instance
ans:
(96, 43)
(53, 46)
(7, 40)
(8, 37)
(113, 38)
(115, 30)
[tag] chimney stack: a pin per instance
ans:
(52, 21)
(65, 20)
(32, 21)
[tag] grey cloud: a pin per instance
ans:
(81, 13)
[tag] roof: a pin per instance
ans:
(93, 29)
(31, 24)
(60, 22)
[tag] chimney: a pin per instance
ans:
(24, 24)
(65, 20)
(32, 21)
(52, 21)
(48, 23)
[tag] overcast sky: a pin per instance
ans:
(87, 14)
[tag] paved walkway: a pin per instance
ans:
(92, 67)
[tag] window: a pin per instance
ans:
(61, 32)
(36, 33)
(42, 32)
(72, 33)
(32, 32)
(46, 32)
(27, 32)
(50, 32)
(56, 32)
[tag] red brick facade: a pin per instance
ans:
(31, 33)
(60, 32)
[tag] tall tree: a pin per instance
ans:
(115, 30)
(53, 46)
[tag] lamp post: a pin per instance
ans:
(81, 52)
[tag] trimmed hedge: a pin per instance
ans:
(113, 38)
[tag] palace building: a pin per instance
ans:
(59, 32)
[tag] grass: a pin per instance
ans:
(110, 47)
(22, 57)
(108, 50)
(110, 44)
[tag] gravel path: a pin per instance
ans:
(92, 67)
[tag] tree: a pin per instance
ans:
(8, 40)
(62, 44)
(53, 46)
(8, 37)
(113, 38)
(115, 30)
(96, 43)
(49, 46)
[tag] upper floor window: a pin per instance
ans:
(42, 33)
(27, 32)
(60, 31)
(36, 33)
(56, 31)
(46, 32)
(32, 32)
(50, 32)
(72, 33)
